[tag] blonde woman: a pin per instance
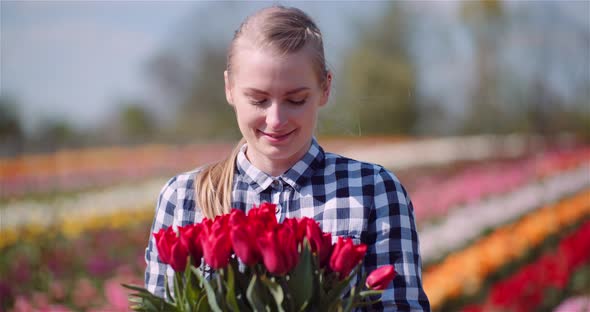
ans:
(276, 81)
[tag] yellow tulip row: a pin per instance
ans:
(463, 272)
(72, 228)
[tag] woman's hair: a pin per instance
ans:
(280, 29)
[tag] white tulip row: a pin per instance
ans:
(466, 223)
(441, 151)
(81, 205)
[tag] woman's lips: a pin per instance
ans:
(276, 137)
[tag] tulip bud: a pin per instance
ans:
(216, 242)
(190, 239)
(244, 245)
(380, 278)
(346, 256)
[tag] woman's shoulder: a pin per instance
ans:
(181, 183)
(339, 163)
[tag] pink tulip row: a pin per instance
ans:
(81, 169)
(73, 170)
(574, 304)
(79, 274)
(84, 294)
(436, 196)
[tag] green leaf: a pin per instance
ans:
(354, 294)
(202, 305)
(241, 282)
(276, 291)
(143, 300)
(178, 292)
(210, 292)
(300, 284)
(190, 293)
(230, 295)
(367, 293)
(254, 296)
(135, 287)
(332, 299)
(169, 297)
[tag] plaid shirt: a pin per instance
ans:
(348, 198)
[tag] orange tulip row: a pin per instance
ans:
(142, 157)
(77, 169)
(463, 272)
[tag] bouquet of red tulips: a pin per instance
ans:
(254, 263)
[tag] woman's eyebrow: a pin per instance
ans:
(254, 90)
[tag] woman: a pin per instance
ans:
(276, 81)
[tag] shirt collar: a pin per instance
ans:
(295, 176)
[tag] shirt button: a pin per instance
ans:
(277, 209)
(275, 183)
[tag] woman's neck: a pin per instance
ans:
(272, 166)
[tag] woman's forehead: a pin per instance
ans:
(259, 68)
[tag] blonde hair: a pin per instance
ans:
(283, 30)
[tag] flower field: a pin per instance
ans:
(504, 224)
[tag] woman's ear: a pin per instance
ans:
(326, 89)
(228, 89)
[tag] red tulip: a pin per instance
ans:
(190, 238)
(265, 214)
(297, 227)
(320, 243)
(179, 257)
(237, 217)
(216, 242)
(279, 249)
(380, 278)
(325, 249)
(311, 230)
(346, 256)
(170, 249)
(164, 240)
(244, 245)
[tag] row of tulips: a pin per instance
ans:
(574, 304)
(38, 214)
(58, 273)
(464, 224)
(464, 272)
(112, 207)
(435, 197)
(536, 285)
(117, 205)
(74, 170)
(74, 228)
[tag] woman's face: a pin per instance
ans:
(276, 99)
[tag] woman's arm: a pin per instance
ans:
(392, 238)
(164, 218)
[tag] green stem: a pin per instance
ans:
(220, 291)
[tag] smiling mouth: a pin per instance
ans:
(275, 136)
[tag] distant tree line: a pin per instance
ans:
(376, 91)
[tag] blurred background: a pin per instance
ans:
(480, 107)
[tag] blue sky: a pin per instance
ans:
(79, 60)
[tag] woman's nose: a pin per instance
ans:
(276, 116)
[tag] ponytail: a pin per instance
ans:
(214, 185)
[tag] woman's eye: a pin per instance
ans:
(258, 102)
(297, 102)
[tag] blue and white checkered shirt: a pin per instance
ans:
(348, 198)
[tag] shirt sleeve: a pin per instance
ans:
(392, 238)
(164, 218)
